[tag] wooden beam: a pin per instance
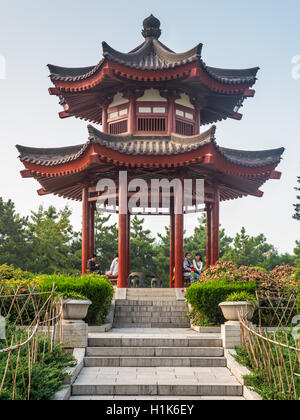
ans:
(275, 175)
(26, 173)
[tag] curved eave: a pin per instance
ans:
(172, 152)
(116, 71)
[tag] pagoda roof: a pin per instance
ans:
(83, 91)
(63, 171)
(154, 55)
(148, 146)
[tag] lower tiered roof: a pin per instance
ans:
(63, 171)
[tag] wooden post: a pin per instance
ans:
(171, 115)
(132, 114)
(215, 227)
(104, 118)
(91, 229)
(85, 229)
(179, 249)
(208, 235)
(172, 250)
(123, 236)
(197, 119)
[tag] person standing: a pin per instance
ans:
(198, 266)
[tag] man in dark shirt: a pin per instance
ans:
(92, 265)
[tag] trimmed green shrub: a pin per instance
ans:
(96, 288)
(241, 297)
(205, 297)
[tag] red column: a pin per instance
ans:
(104, 119)
(91, 229)
(123, 236)
(85, 229)
(172, 250)
(171, 116)
(208, 235)
(215, 228)
(179, 250)
(132, 115)
(197, 119)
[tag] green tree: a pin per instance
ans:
(249, 250)
(106, 241)
(197, 242)
(142, 251)
(14, 248)
(162, 256)
(50, 235)
(297, 206)
(297, 254)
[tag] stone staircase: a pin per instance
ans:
(155, 364)
(151, 308)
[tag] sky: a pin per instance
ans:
(235, 34)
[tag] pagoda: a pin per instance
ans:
(151, 104)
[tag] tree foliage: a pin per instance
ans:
(297, 206)
(45, 242)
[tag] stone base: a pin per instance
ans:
(231, 334)
(75, 334)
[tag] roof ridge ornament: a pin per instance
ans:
(151, 27)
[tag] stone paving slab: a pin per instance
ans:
(152, 398)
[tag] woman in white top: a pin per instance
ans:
(198, 266)
(114, 268)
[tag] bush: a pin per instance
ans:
(298, 305)
(241, 297)
(205, 297)
(96, 288)
(12, 278)
(229, 272)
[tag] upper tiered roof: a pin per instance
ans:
(220, 91)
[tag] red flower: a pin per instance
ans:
(182, 291)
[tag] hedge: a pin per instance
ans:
(96, 288)
(205, 297)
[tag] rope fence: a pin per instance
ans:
(33, 327)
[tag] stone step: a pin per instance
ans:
(150, 325)
(162, 381)
(150, 291)
(150, 318)
(154, 351)
(154, 361)
(151, 309)
(123, 341)
(152, 398)
(140, 302)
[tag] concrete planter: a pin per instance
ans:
(231, 310)
(75, 309)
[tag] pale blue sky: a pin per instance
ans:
(235, 34)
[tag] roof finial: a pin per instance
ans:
(151, 27)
